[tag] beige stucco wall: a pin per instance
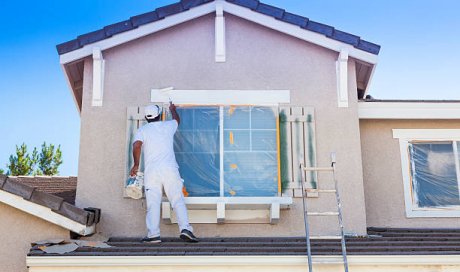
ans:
(383, 183)
(17, 230)
(183, 57)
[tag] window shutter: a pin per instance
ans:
(298, 143)
(135, 119)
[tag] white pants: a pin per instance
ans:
(170, 179)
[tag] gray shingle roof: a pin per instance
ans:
(381, 241)
(52, 193)
(184, 5)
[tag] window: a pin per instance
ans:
(228, 150)
(431, 172)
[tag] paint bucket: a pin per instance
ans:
(134, 186)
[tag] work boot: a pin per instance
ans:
(188, 236)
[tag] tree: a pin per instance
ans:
(23, 163)
(2, 172)
(49, 160)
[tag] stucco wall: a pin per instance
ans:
(183, 57)
(17, 230)
(383, 183)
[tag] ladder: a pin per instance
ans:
(337, 213)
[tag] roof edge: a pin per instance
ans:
(48, 207)
(256, 6)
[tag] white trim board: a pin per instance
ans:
(408, 110)
(236, 10)
(133, 261)
(45, 213)
(427, 134)
(221, 97)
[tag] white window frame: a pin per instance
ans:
(405, 136)
(221, 213)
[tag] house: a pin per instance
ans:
(260, 91)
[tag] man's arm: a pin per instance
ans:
(174, 113)
(137, 147)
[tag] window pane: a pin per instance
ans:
(434, 174)
(250, 151)
(250, 174)
(196, 144)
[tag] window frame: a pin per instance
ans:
(406, 136)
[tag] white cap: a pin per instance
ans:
(152, 111)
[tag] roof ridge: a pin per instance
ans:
(184, 5)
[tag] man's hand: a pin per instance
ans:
(172, 107)
(134, 170)
(174, 114)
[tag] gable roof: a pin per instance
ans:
(184, 5)
(32, 195)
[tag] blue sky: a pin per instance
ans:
(419, 59)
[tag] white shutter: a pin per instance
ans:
(134, 120)
(298, 144)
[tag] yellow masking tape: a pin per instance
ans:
(231, 138)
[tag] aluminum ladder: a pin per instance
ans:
(337, 213)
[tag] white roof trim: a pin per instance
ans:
(190, 261)
(44, 213)
(296, 31)
(236, 10)
(408, 110)
(139, 32)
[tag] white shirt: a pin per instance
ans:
(158, 144)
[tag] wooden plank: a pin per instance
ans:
(297, 146)
(285, 150)
(310, 146)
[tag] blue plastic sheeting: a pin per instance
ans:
(250, 151)
(434, 175)
(196, 144)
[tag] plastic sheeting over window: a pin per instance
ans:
(249, 151)
(434, 167)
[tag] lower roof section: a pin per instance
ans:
(382, 250)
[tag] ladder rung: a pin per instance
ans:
(326, 237)
(318, 168)
(321, 190)
(322, 213)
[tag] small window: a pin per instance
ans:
(431, 171)
(434, 174)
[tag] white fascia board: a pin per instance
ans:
(44, 213)
(221, 97)
(133, 261)
(298, 32)
(139, 32)
(427, 134)
(408, 110)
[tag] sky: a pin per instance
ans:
(419, 58)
